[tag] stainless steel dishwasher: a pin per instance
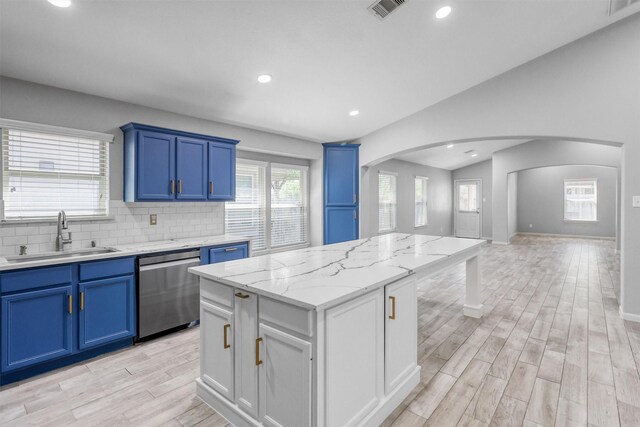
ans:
(168, 295)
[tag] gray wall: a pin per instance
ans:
(481, 171)
(439, 198)
(541, 200)
(21, 100)
(512, 203)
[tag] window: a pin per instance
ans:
(421, 201)
(581, 200)
(43, 173)
(270, 206)
(467, 197)
(386, 201)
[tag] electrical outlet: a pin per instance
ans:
(153, 219)
(636, 201)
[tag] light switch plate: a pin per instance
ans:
(153, 219)
(636, 201)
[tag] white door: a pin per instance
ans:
(246, 376)
(468, 195)
(216, 341)
(285, 379)
(401, 329)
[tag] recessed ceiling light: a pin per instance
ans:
(354, 113)
(264, 78)
(450, 146)
(443, 12)
(474, 155)
(60, 3)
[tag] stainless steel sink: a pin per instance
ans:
(58, 255)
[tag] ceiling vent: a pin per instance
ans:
(382, 8)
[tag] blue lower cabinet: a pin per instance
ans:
(341, 224)
(37, 326)
(106, 311)
(222, 253)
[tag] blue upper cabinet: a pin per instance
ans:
(222, 171)
(191, 169)
(341, 192)
(166, 164)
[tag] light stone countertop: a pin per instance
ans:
(323, 276)
(133, 249)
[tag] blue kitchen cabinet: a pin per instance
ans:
(222, 253)
(106, 311)
(37, 326)
(191, 170)
(222, 171)
(156, 166)
(341, 192)
(166, 164)
(341, 224)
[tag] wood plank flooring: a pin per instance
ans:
(551, 349)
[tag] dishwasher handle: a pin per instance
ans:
(162, 265)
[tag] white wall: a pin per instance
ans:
(512, 204)
(439, 198)
(541, 201)
(483, 171)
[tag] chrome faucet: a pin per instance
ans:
(62, 225)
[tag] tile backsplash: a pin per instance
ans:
(129, 224)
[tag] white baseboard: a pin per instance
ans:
(574, 236)
(497, 242)
(628, 316)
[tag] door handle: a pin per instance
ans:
(355, 215)
(230, 249)
(226, 337)
(70, 304)
(210, 187)
(392, 316)
(179, 186)
(355, 198)
(81, 300)
(173, 187)
(241, 295)
(258, 361)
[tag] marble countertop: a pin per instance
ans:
(120, 251)
(322, 276)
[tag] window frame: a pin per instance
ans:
(395, 202)
(58, 131)
(425, 183)
(564, 199)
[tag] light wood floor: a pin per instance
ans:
(550, 350)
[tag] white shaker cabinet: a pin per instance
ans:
(216, 348)
(246, 370)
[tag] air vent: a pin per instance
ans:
(382, 8)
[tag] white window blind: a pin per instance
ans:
(288, 205)
(386, 202)
(581, 200)
(43, 173)
(421, 201)
(247, 215)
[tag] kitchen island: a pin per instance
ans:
(323, 336)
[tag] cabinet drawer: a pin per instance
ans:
(213, 292)
(108, 268)
(293, 318)
(35, 278)
(228, 253)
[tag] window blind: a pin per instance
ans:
(581, 200)
(421, 201)
(386, 202)
(288, 206)
(247, 215)
(43, 173)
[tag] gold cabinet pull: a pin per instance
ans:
(70, 301)
(173, 187)
(179, 186)
(241, 295)
(258, 361)
(393, 308)
(226, 337)
(230, 249)
(355, 198)
(81, 300)
(210, 187)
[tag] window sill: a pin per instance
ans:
(582, 221)
(8, 222)
(417, 227)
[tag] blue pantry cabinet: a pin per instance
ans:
(341, 192)
(58, 315)
(166, 164)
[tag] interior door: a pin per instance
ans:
(468, 194)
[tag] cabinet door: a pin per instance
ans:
(228, 253)
(246, 333)
(341, 224)
(36, 326)
(191, 169)
(222, 171)
(156, 166)
(106, 311)
(285, 379)
(401, 329)
(341, 176)
(217, 348)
